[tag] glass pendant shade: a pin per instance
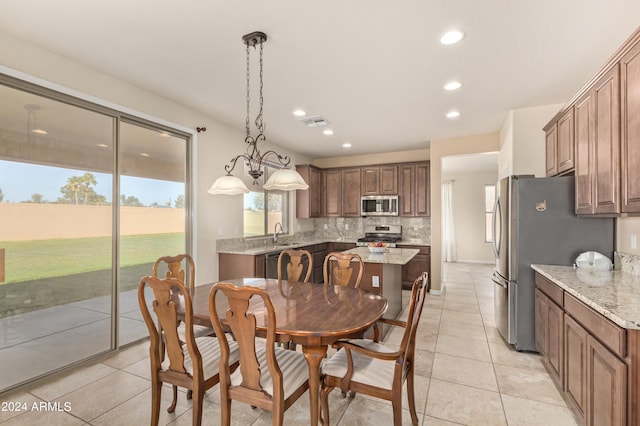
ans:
(228, 185)
(285, 180)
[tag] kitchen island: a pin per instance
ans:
(383, 274)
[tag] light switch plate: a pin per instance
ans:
(375, 281)
(634, 241)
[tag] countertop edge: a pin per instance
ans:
(256, 251)
(627, 324)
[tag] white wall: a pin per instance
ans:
(522, 141)
(468, 215)
(212, 149)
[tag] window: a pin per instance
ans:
(263, 209)
(489, 201)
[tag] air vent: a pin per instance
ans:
(316, 121)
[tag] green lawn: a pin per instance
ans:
(32, 260)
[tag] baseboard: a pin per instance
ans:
(435, 292)
(483, 262)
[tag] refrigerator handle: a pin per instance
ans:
(495, 243)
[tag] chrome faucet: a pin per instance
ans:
(275, 232)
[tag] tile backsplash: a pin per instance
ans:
(350, 229)
(627, 263)
(338, 229)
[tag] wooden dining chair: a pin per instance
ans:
(269, 377)
(295, 261)
(371, 368)
(338, 269)
(175, 268)
(192, 364)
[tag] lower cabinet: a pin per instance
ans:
(416, 266)
(575, 383)
(588, 356)
(606, 386)
(550, 334)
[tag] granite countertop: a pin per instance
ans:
(614, 294)
(270, 247)
(393, 256)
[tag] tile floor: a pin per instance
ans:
(465, 374)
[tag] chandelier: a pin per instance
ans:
(283, 179)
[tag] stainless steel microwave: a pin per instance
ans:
(379, 205)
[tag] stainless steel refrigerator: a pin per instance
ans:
(534, 221)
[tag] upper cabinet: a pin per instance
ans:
(414, 189)
(630, 131)
(331, 193)
(560, 144)
(350, 192)
(336, 192)
(380, 180)
(308, 202)
(597, 136)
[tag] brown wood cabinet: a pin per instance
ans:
(585, 150)
(332, 193)
(606, 170)
(551, 149)
(606, 386)
(560, 143)
(588, 356)
(566, 143)
(576, 365)
(337, 192)
(350, 192)
(380, 180)
(240, 266)
(607, 137)
(549, 325)
(413, 183)
(416, 266)
(308, 202)
(630, 130)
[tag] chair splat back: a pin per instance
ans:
(296, 265)
(339, 267)
(242, 322)
(269, 377)
(175, 268)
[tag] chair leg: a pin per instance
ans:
(277, 416)
(397, 412)
(324, 404)
(197, 408)
(411, 397)
(156, 389)
(172, 407)
(225, 408)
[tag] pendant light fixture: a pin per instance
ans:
(284, 179)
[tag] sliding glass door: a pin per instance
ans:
(152, 212)
(89, 198)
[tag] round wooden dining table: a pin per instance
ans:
(311, 315)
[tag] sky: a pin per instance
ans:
(19, 181)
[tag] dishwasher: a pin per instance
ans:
(271, 265)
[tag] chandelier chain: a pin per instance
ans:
(259, 121)
(246, 124)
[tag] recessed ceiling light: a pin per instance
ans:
(144, 154)
(102, 145)
(346, 145)
(453, 114)
(299, 113)
(452, 85)
(164, 135)
(328, 132)
(39, 132)
(451, 37)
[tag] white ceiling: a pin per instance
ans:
(373, 68)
